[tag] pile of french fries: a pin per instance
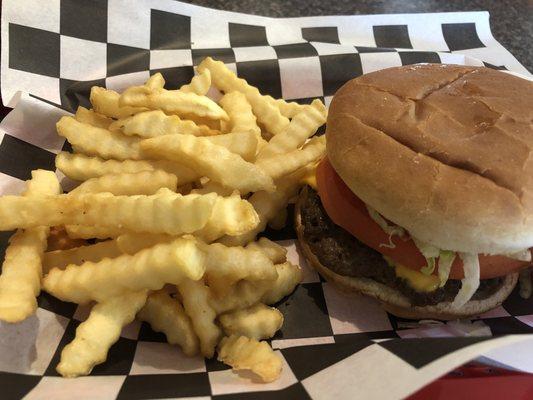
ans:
(175, 187)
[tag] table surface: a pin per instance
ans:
(511, 20)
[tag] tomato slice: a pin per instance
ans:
(349, 212)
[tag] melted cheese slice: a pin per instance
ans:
(310, 179)
(417, 280)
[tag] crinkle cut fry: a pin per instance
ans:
(247, 293)
(267, 113)
(20, 281)
(94, 141)
(172, 102)
(196, 301)
(156, 123)
(150, 268)
(199, 84)
(256, 322)
(78, 255)
(302, 126)
(98, 333)
(241, 352)
(105, 102)
(160, 213)
(215, 162)
(81, 167)
(128, 184)
(280, 165)
(166, 315)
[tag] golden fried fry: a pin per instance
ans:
(224, 79)
(42, 183)
(247, 293)
(94, 231)
(302, 126)
(225, 125)
(228, 265)
(208, 159)
(261, 143)
(21, 274)
(276, 253)
(214, 187)
(257, 322)
(105, 102)
(196, 301)
(287, 108)
(156, 123)
(283, 164)
(97, 141)
(78, 255)
(81, 168)
(241, 117)
(204, 122)
(148, 269)
(289, 276)
(131, 243)
(139, 154)
(90, 117)
(267, 205)
(58, 239)
(230, 215)
(241, 352)
(98, 333)
(166, 315)
(200, 84)
(144, 182)
(166, 212)
(243, 294)
(172, 102)
(156, 81)
(241, 143)
(20, 281)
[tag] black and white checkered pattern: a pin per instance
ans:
(332, 346)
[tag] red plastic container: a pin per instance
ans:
(475, 381)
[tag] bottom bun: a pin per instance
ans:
(394, 301)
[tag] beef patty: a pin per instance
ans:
(345, 255)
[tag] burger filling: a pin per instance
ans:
(432, 254)
(345, 255)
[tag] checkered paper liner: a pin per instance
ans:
(332, 346)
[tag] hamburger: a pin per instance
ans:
(425, 198)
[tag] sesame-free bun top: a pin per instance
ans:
(444, 151)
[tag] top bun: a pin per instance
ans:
(441, 150)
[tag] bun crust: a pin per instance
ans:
(394, 301)
(441, 150)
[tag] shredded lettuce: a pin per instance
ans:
(524, 279)
(470, 283)
(427, 250)
(430, 266)
(446, 260)
(430, 253)
(391, 230)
